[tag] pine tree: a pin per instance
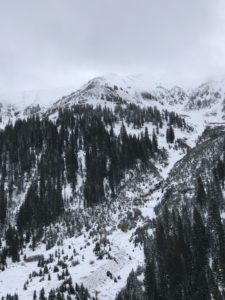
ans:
(3, 203)
(150, 280)
(42, 294)
(200, 193)
(154, 142)
(170, 136)
(200, 260)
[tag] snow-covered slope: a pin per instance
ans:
(114, 89)
(22, 104)
(208, 100)
(119, 226)
(202, 105)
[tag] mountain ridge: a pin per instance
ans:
(100, 91)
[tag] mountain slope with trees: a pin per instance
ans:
(109, 179)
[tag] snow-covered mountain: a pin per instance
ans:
(123, 90)
(207, 99)
(170, 135)
(207, 95)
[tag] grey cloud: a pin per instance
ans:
(49, 43)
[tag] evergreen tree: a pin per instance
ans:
(42, 294)
(170, 136)
(200, 263)
(150, 280)
(200, 193)
(154, 142)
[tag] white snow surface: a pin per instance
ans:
(90, 271)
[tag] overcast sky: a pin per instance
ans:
(54, 43)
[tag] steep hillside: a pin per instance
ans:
(86, 182)
(185, 252)
(199, 161)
